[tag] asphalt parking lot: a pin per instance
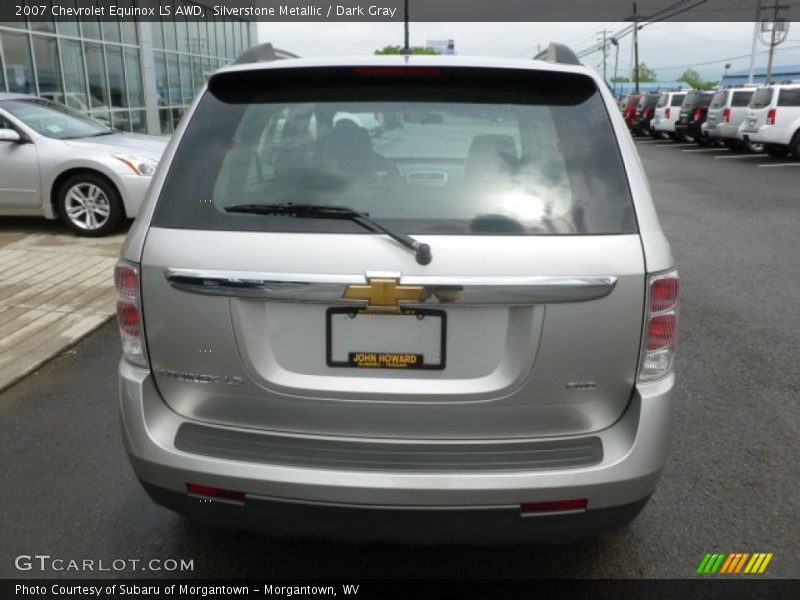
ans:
(730, 484)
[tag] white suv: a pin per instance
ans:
(773, 119)
(667, 112)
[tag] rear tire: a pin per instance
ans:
(776, 151)
(734, 145)
(794, 146)
(90, 205)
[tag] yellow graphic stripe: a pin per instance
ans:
(765, 563)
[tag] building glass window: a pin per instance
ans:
(220, 26)
(183, 35)
(68, 27)
(138, 121)
(43, 23)
(174, 79)
(128, 25)
(116, 77)
(229, 41)
(165, 117)
(162, 82)
(158, 34)
(170, 35)
(197, 74)
(133, 70)
(211, 36)
(186, 79)
(98, 83)
(91, 29)
(195, 42)
(48, 67)
(19, 66)
(111, 31)
(74, 76)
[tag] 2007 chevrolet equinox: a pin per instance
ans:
(400, 298)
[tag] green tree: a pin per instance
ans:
(692, 79)
(646, 74)
(620, 79)
(399, 50)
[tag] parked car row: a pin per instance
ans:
(743, 118)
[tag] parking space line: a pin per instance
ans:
(795, 164)
(739, 156)
(674, 145)
(707, 150)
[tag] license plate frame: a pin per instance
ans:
(352, 363)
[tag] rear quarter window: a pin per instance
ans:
(741, 98)
(789, 97)
(470, 151)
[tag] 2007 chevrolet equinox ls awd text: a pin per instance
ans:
(400, 298)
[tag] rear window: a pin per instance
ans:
(741, 98)
(720, 99)
(677, 99)
(457, 151)
(789, 97)
(761, 98)
(692, 99)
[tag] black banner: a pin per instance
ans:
(393, 10)
(596, 589)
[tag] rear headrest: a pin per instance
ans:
(491, 154)
(348, 149)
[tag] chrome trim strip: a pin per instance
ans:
(329, 289)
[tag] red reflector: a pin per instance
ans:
(771, 116)
(661, 332)
(207, 490)
(664, 294)
(126, 280)
(128, 317)
(398, 71)
(553, 505)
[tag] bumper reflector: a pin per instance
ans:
(207, 490)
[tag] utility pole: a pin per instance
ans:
(604, 33)
(635, 49)
(756, 32)
(406, 47)
(775, 35)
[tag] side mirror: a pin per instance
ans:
(9, 135)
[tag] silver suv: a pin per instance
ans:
(725, 114)
(400, 298)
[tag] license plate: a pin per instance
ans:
(410, 339)
(751, 122)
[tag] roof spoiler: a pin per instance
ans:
(558, 53)
(263, 53)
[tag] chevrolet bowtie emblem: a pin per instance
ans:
(384, 293)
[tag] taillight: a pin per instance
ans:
(771, 116)
(661, 326)
(667, 113)
(726, 115)
(698, 113)
(129, 313)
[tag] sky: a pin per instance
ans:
(668, 47)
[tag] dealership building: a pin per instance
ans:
(137, 76)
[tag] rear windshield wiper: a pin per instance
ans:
(422, 252)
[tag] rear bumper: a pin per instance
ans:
(350, 504)
(665, 125)
(692, 129)
(766, 134)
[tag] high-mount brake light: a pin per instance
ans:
(397, 71)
